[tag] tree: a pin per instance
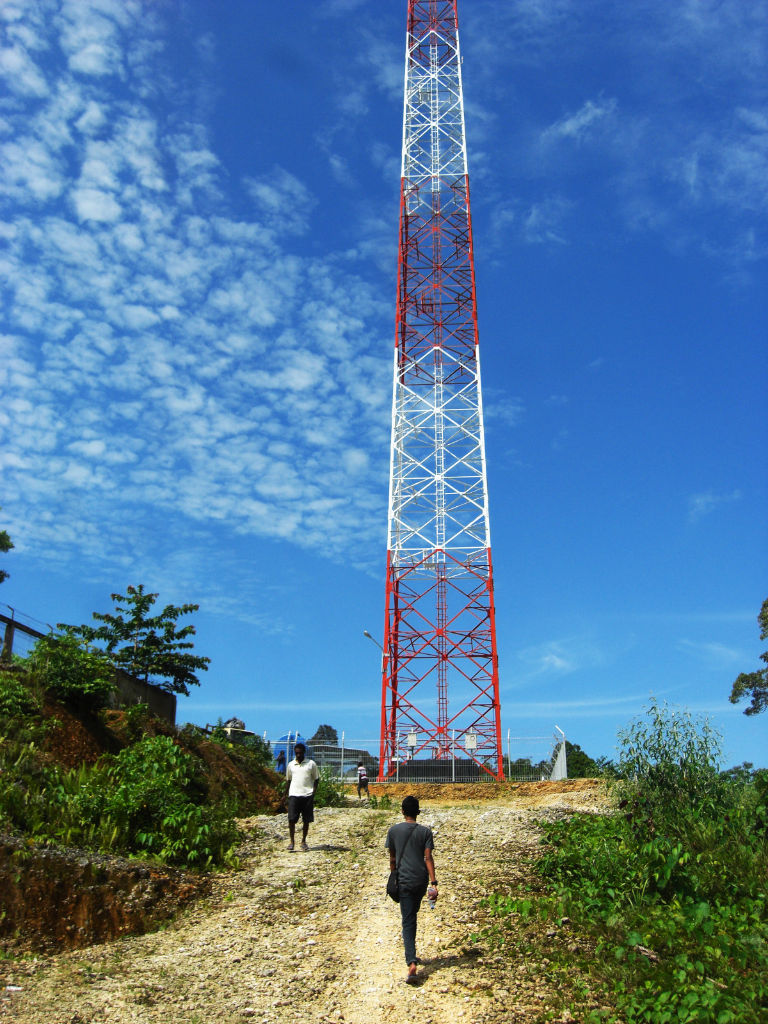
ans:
(326, 734)
(147, 645)
(754, 683)
(73, 674)
(580, 764)
(5, 545)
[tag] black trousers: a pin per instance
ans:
(409, 910)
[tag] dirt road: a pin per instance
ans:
(312, 936)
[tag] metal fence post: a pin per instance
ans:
(341, 766)
(509, 758)
(397, 755)
(453, 755)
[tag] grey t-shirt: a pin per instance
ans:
(412, 872)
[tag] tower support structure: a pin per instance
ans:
(440, 680)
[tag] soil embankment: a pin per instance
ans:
(312, 936)
(54, 899)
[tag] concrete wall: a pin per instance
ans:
(135, 691)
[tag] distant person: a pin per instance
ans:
(280, 766)
(301, 780)
(410, 848)
(362, 780)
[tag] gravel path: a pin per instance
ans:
(312, 937)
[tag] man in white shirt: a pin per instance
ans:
(301, 780)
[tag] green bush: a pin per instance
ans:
(330, 790)
(672, 757)
(72, 674)
(146, 800)
(16, 699)
(673, 884)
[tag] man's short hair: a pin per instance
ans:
(302, 745)
(410, 806)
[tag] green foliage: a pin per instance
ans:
(146, 800)
(681, 917)
(580, 764)
(16, 699)
(255, 748)
(754, 684)
(383, 803)
(330, 791)
(673, 885)
(5, 545)
(325, 734)
(147, 646)
(72, 673)
(673, 757)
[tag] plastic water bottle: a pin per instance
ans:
(431, 897)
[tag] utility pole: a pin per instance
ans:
(440, 630)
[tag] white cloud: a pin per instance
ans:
(282, 200)
(702, 504)
(161, 355)
(507, 410)
(20, 72)
(576, 126)
(542, 221)
(93, 204)
(716, 655)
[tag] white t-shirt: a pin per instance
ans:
(302, 777)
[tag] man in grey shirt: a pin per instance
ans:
(410, 848)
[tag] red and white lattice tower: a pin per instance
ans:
(440, 631)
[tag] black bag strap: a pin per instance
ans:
(407, 843)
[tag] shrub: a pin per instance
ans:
(147, 800)
(674, 883)
(16, 700)
(671, 760)
(330, 790)
(74, 675)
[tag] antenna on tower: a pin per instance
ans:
(440, 631)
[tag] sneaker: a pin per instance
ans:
(304, 846)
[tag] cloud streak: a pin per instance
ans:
(700, 505)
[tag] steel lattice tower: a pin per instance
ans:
(440, 630)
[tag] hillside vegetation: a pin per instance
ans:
(123, 782)
(672, 886)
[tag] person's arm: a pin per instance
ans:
(391, 850)
(430, 862)
(287, 778)
(316, 773)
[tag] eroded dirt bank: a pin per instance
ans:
(53, 899)
(312, 936)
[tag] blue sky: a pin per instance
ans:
(198, 225)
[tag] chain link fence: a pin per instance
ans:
(526, 759)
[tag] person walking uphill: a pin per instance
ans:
(410, 848)
(301, 779)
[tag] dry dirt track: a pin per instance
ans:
(312, 936)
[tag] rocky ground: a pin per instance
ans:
(312, 936)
